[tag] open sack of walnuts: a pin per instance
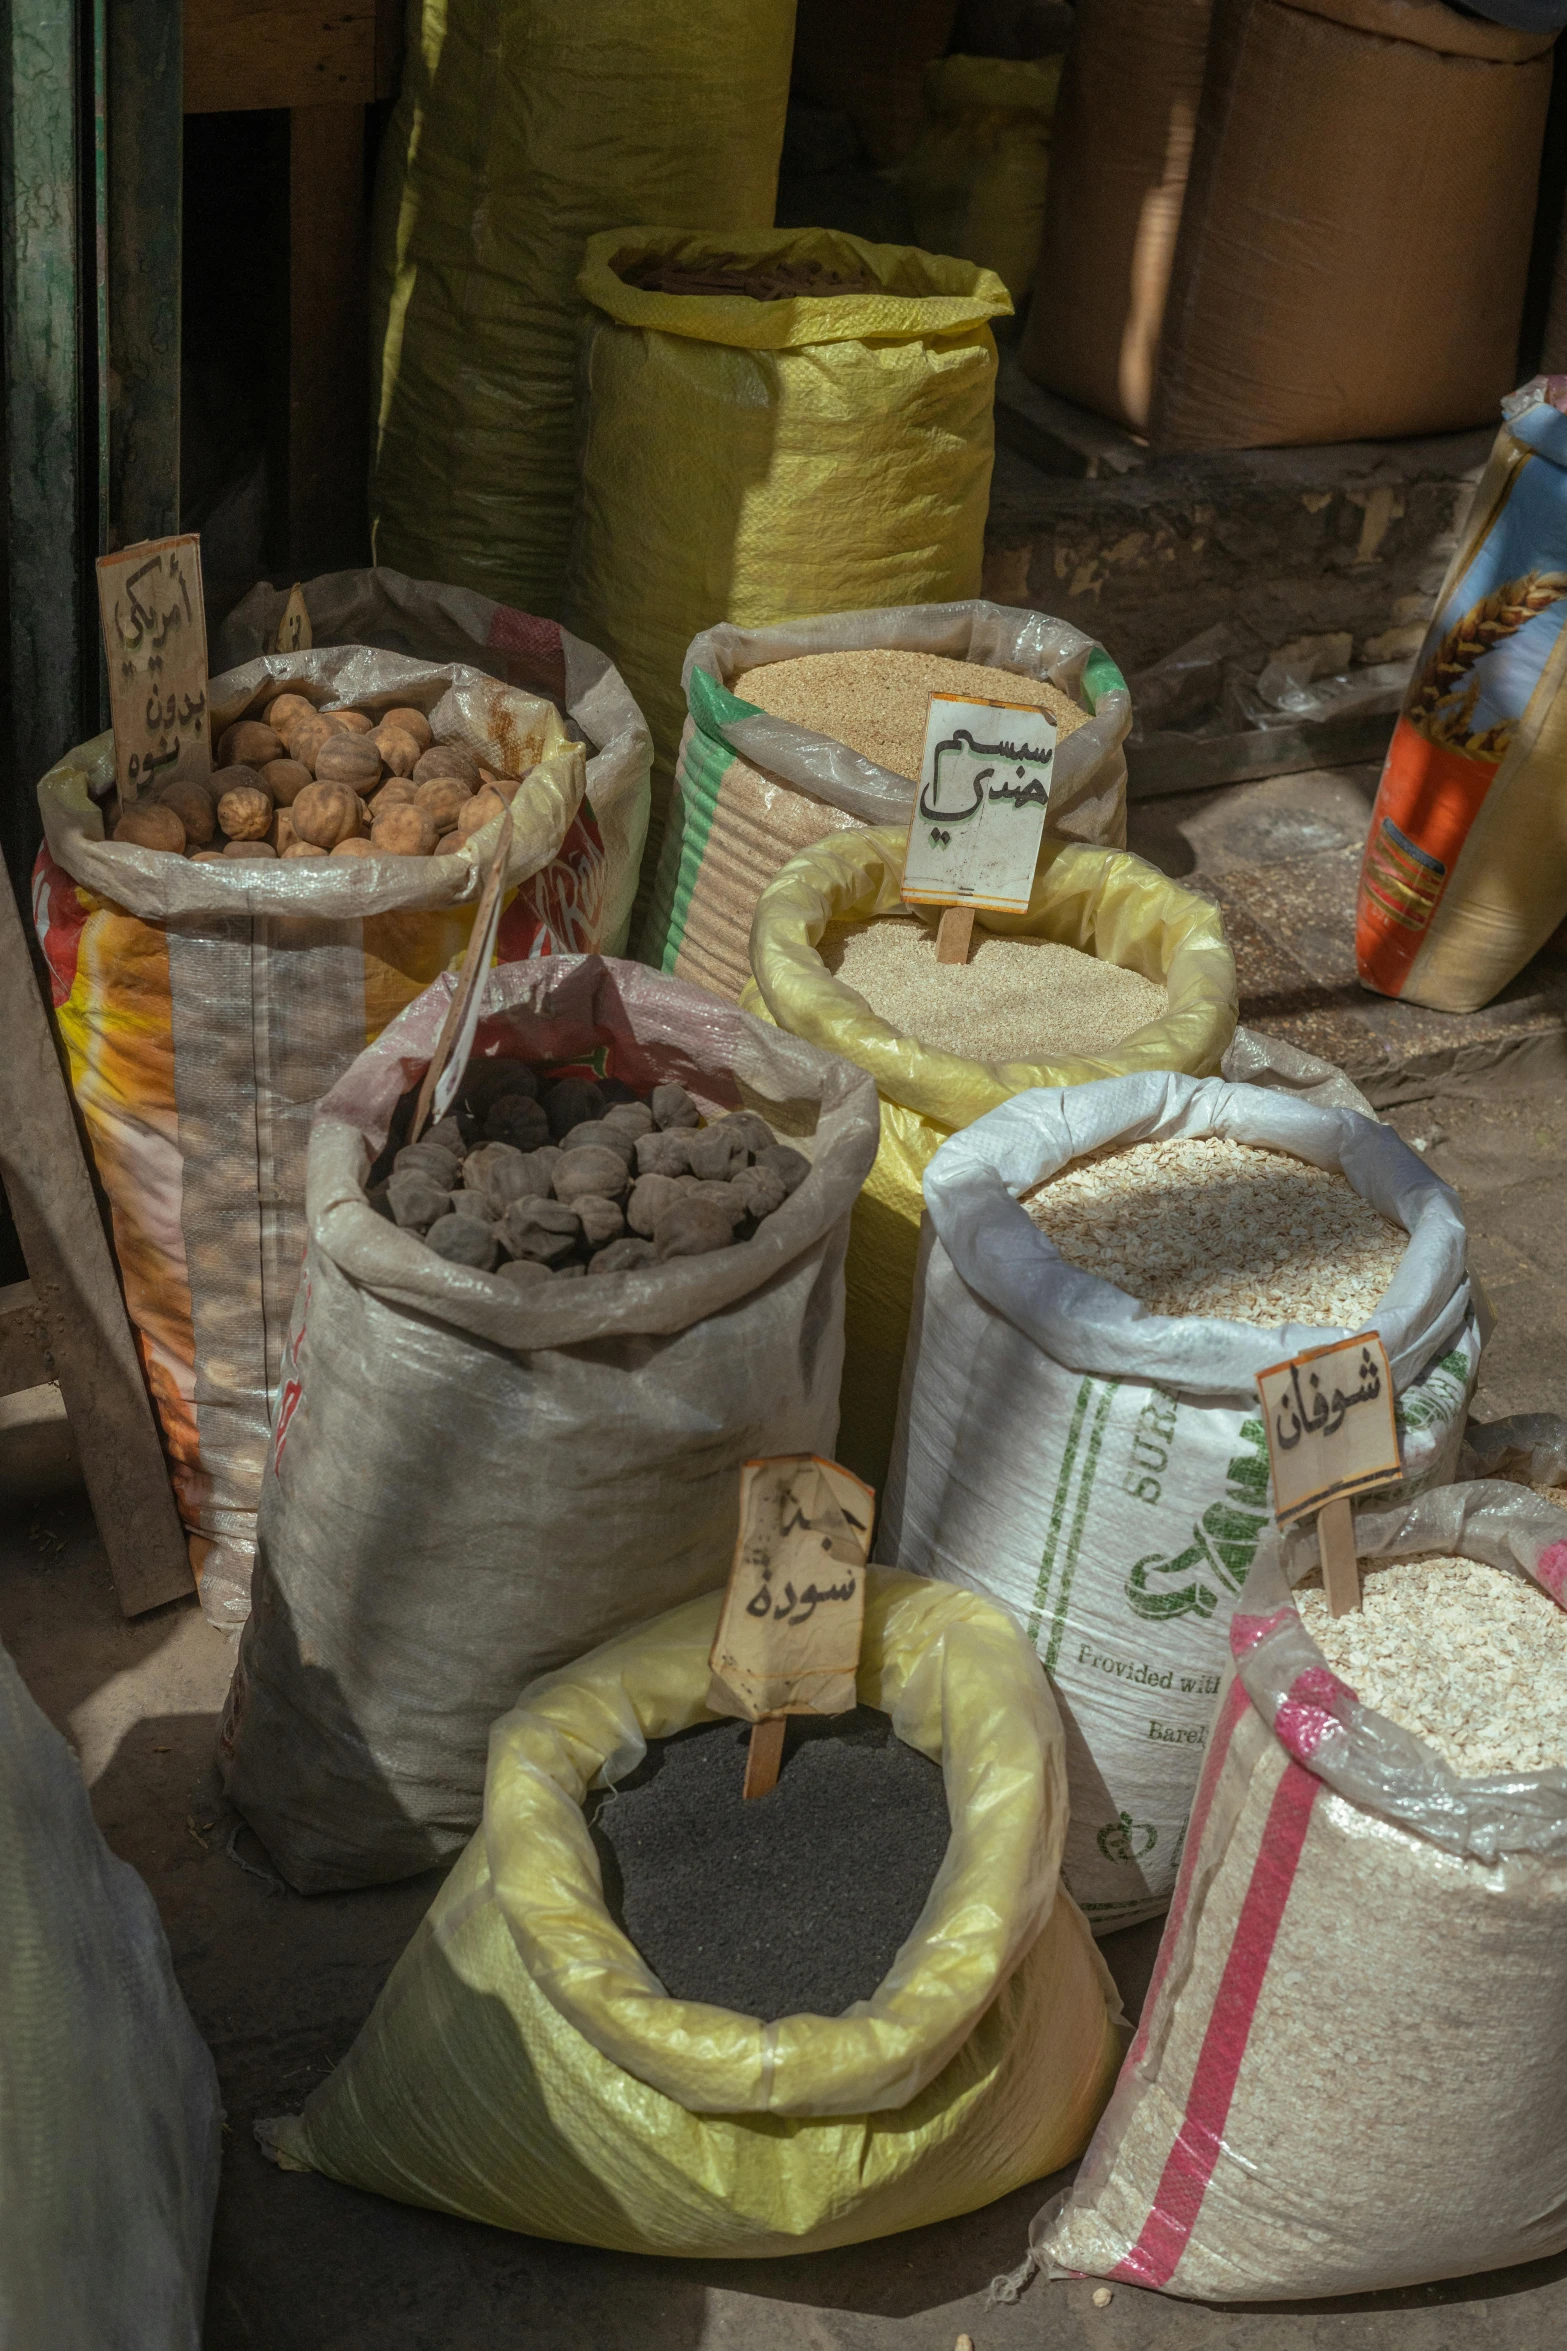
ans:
(310, 766)
(207, 1001)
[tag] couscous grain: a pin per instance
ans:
(877, 702)
(1014, 999)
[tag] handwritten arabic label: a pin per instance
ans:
(155, 641)
(293, 630)
(788, 1638)
(984, 792)
(1330, 1420)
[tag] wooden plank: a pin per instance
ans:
(25, 1360)
(145, 203)
(78, 1297)
(328, 427)
(241, 55)
(40, 261)
(1167, 764)
(388, 48)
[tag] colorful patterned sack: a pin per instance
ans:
(1465, 875)
(205, 1010)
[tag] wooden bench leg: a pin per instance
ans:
(86, 1336)
(328, 366)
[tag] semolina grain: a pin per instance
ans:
(877, 701)
(1014, 1000)
(1202, 1225)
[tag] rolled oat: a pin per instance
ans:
(1471, 1659)
(1203, 1225)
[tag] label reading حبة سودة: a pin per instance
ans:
(789, 1631)
(155, 646)
(980, 816)
(1329, 1416)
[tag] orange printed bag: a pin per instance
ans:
(1465, 873)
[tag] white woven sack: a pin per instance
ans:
(471, 1484)
(1102, 1470)
(110, 2125)
(1348, 2073)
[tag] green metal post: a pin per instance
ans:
(40, 263)
(146, 157)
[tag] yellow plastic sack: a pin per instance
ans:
(1104, 901)
(524, 2067)
(976, 179)
(751, 461)
(523, 127)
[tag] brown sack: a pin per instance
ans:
(1119, 155)
(1356, 230)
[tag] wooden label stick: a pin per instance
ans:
(155, 644)
(954, 934)
(1336, 1550)
(788, 1637)
(980, 817)
(455, 1042)
(1332, 1433)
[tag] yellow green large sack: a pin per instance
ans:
(524, 2067)
(523, 127)
(1104, 901)
(750, 461)
(977, 177)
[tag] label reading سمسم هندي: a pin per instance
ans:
(980, 817)
(1330, 1421)
(788, 1637)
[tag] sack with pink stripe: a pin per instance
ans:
(1349, 2070)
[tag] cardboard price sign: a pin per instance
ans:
(980, 817)
(788, 1637)
(155, 641)
(1329, 1415)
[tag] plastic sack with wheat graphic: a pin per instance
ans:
(1102, 1470)
(1465, 874)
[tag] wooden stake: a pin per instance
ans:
(1336, 1550)
(462, 1016)
(79, 1318)
(953, 934)
(764, 1755)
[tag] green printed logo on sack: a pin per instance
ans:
(1223, 1544)
(1125, 1839)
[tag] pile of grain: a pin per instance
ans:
(1014, 1000)
(1207, 1226)
(877, 702)
(1469, 1658)
(795, 1903)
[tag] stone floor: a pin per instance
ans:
(1282, 858)
(279, 1984)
